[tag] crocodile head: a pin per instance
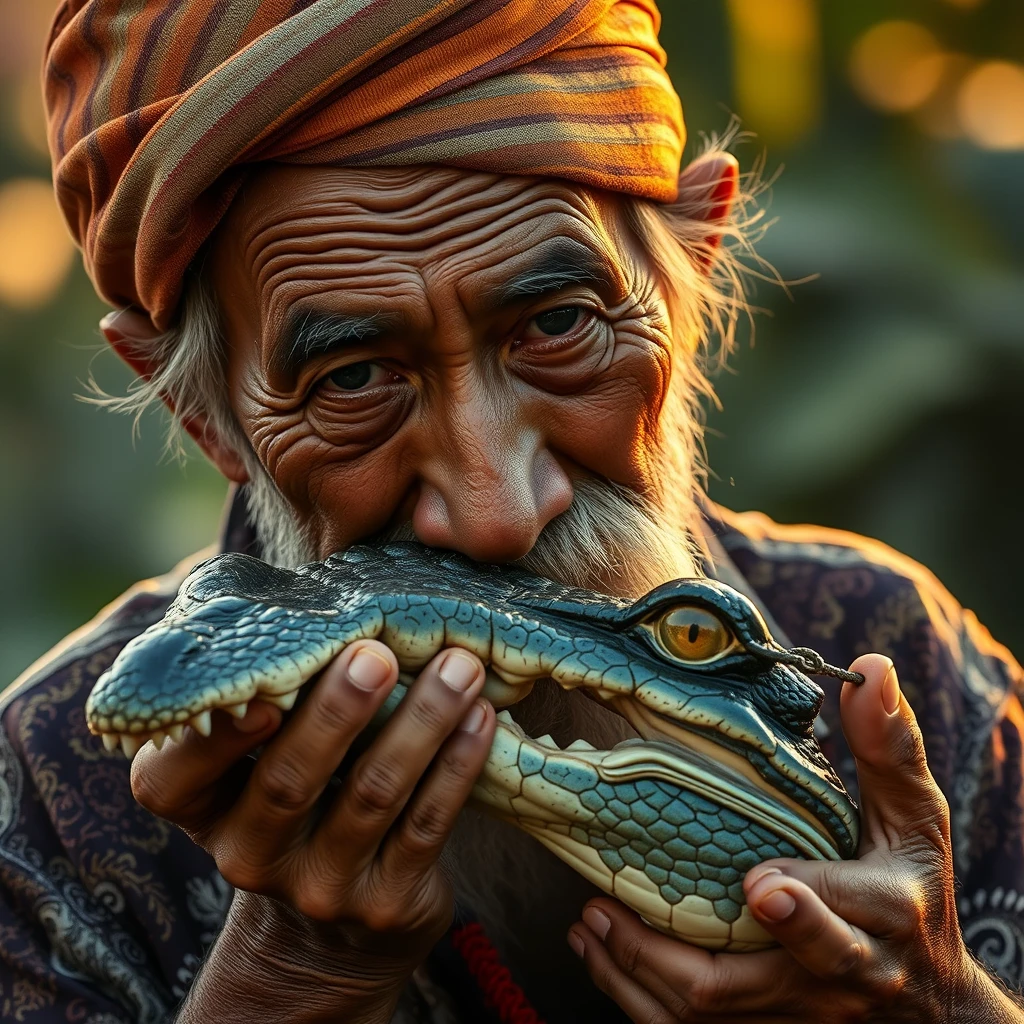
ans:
(725, 772)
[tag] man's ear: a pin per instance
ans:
(127, 331)
(707, 190)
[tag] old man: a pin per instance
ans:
(431, 270)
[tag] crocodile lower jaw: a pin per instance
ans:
(540, 788)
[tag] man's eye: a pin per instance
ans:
(558, 321)
(356, 376)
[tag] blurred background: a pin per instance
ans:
(886, 396)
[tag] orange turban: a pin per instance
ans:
(157, 107)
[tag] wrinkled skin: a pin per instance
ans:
(471, 408)
(473, 430)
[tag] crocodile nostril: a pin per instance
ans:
(792, 698)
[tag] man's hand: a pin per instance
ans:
(875, 939)
(339, 897)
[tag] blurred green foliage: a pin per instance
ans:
(886, 396)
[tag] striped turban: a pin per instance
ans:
(158, 108)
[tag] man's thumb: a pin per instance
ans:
(897, 789)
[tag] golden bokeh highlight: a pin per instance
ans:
(990, 105)
(937, 116)
(896, 66)
(36, 250)
(777, 67)
(29, 117)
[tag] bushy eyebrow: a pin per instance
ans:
(556, 265)
(311, 335)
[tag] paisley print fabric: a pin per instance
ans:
(106, 911)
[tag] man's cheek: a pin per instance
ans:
(350, 500)
(338, 492)
(611, 428)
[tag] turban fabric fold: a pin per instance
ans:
(157, 110)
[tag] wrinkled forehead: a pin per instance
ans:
(294, 226)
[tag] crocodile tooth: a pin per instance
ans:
(581, 745)
(547, 741)
(130, 745)
(504, 716)
(238, 710)
(202, 723)
(109, 740)
(176, 731)
(158, 739)
(285, 701)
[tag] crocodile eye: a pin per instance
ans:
(693, 634)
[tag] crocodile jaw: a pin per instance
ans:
(574, 802)
(676, 851)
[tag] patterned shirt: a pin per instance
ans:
(106, 910)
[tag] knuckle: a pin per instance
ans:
(889, 981)
(909, 749)
(313, 902)
(914, 906)
(603, 976)
(925, 838)
(426, 826)
(383, 918)
(429, 718)
(458, 767)
(664, 1015)
(816, 930)
(677, 1009)
(632, 953)
(239, 872)
(333, 712)
(831, 885)
(847, 960)
(154, 793)
(282, 784)
(704, 994)
(375, 787)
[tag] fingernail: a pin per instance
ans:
(368, 670)
(474, 720)
(575, 943)
(598, 921)
(255, 719)
(891, 692)
(754, 875)
(777, 905)
(457, 671)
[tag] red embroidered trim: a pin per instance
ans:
(493, 977)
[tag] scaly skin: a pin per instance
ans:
(727, 772)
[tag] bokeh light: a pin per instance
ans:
(29, 119)
(990, 105)
(776, 67)
(36, 250)
(937, 116)
(896, 66)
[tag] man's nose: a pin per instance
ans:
(488, 488)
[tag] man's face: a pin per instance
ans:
(446, 349)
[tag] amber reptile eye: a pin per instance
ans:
(693, 634)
